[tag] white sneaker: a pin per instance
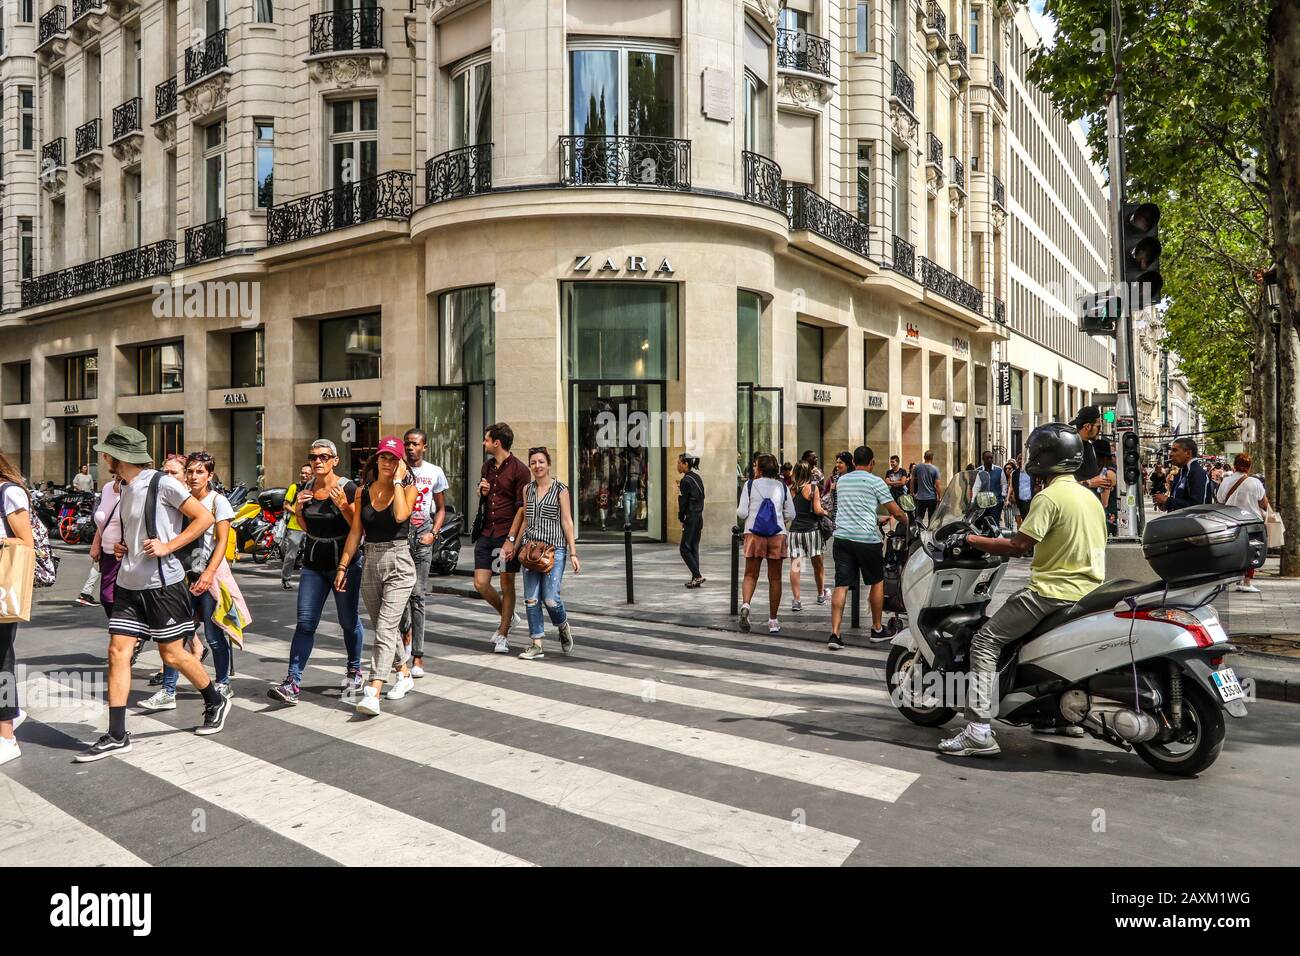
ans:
(404, 683)
(18, 721)
(773, 626)
(160, 701)
(369, 702)
(417, 671)
(824, 596)
(9, 750)
(1247, 589)
(500, 644)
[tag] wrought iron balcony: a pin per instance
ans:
(155, 259)
(812, 212)
(81, 7)
(763, 181)
(54, 154)
(625, 161)
(999, 193)
(389, 195)
(127, 117)
(797, 50)
(957, 50)
(466, 171)
(359, 29)
(936, 21)
(903, 88)
(88, 138)
(999, 312)
(53, 22)
(205, 57)
(164, 98)
(938, 279)
(958, 174)
(935, 154)
(205, 241)
(999, 81)
(904, 261)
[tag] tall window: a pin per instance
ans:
(214, 169)
(265, 11)
(25, 10)
(864, 182)
(864, 25)
(794, 20)
(808, 344)
(898, 32)
(26, 247)
(214, 16)
(80, 377)
(27, 106)
(171, 196)
(94, 87)
(623, 91)
(757, 82)
(247, 359)
(468, 336)
(264, 142)
(471, 103)
(898, 195)
(134, 208)
(350, 347)
(354, 140)
(160, 368)
(749, 318)
(975, 29)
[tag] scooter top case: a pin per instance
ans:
(1204, 542)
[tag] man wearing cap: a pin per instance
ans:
(151, 601)
(1088, 424)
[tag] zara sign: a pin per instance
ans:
(635, 266)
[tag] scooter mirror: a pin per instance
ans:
(985, 500)
(907, 503)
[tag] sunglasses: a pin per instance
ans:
(539, 450)
(324, 457)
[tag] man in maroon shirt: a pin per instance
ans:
(501, 488)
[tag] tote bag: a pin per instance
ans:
(17, 576)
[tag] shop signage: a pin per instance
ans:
(912, 331)
(938, 406)
(719, 95)
(960, 345)
(877, 400)
(1004, 383)
(959, 409)
(981, 411)
(821, 394)
(911, 403)
(236, 398)
(636, 266)
(335, 391)
(71, 409)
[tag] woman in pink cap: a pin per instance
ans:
(382, 509)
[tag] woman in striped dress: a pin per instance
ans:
(805, 534)
(547, 516)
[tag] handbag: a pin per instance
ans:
(537, 556)
(476, 531)
(1274, 530)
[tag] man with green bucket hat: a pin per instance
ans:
(151, 602)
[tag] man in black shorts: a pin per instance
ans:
(151, 599)
(501, 488)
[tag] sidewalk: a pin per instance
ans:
(1265, 626)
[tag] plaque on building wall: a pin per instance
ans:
(719, 95)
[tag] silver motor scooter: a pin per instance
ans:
(1136, 664)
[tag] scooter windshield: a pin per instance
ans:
(956, 501)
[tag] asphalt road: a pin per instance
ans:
(651, 744)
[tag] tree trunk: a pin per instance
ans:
(1283, 143)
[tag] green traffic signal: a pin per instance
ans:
(1109, 416)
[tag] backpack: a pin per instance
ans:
(765, 522)
(47, 562)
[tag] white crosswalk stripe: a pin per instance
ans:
(706, 826)
(343, 826)
(35, 832)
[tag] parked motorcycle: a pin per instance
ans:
(1136, 664)
(74, 508)
(254, 526)
(446, 546)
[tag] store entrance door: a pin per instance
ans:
(80, 435)
(443, 413)
(617, 466)
(760, 425)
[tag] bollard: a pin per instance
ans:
(627, 560)
(855, 618)
(735, 571)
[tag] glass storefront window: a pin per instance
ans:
(621, 330)
(355, 429)
(246, 452)
(468, 331)
(350, 348)
(618, 478)
(809, 346)
(166, 434)
(160, 368)
(248, 359)
(749, 318)
(81, 377)
(79, 437)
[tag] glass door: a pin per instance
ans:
(443, 413)
(760, 425)
(617, 465)
(80, 435)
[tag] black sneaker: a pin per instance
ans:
(155, 680)
(879, 636)
(286, 585)
(105, 746)
(835, 644)
(214, 717)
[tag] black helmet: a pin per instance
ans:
(1053, 449)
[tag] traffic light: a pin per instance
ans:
(1132, 459)
(1108, 416)
(1099, 313)
(1140, 233)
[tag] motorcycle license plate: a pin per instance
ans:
(1228, 686)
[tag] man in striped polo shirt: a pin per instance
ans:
(858, 550)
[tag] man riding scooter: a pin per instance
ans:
(1066, 531)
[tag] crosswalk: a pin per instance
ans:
(648, 744)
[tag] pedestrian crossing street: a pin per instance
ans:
(651, 744)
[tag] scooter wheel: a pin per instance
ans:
(1199, 746)
(898, 673)
(68, 531)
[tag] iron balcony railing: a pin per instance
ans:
(155, 259)
(936, 150)
(625, 161)
(164, 98)
(957, 50)
(935, 19)
(999, 312)
(938, 279)
(205, 57)
(205, 241)
(797, 50)
(81, 7)
(999, 193)
(127, 118)
(763, 181)
(958, 173)
(359, 29)
(903, 88)
(53, 22)
(389, 195)
(466, 171)
(999, 81)
(904, 261)
(812, 212)
(87, 140)
(54, 154)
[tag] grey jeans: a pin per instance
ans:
(292, 545)
(1014, 620)
(386, 583)
(413, 616)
